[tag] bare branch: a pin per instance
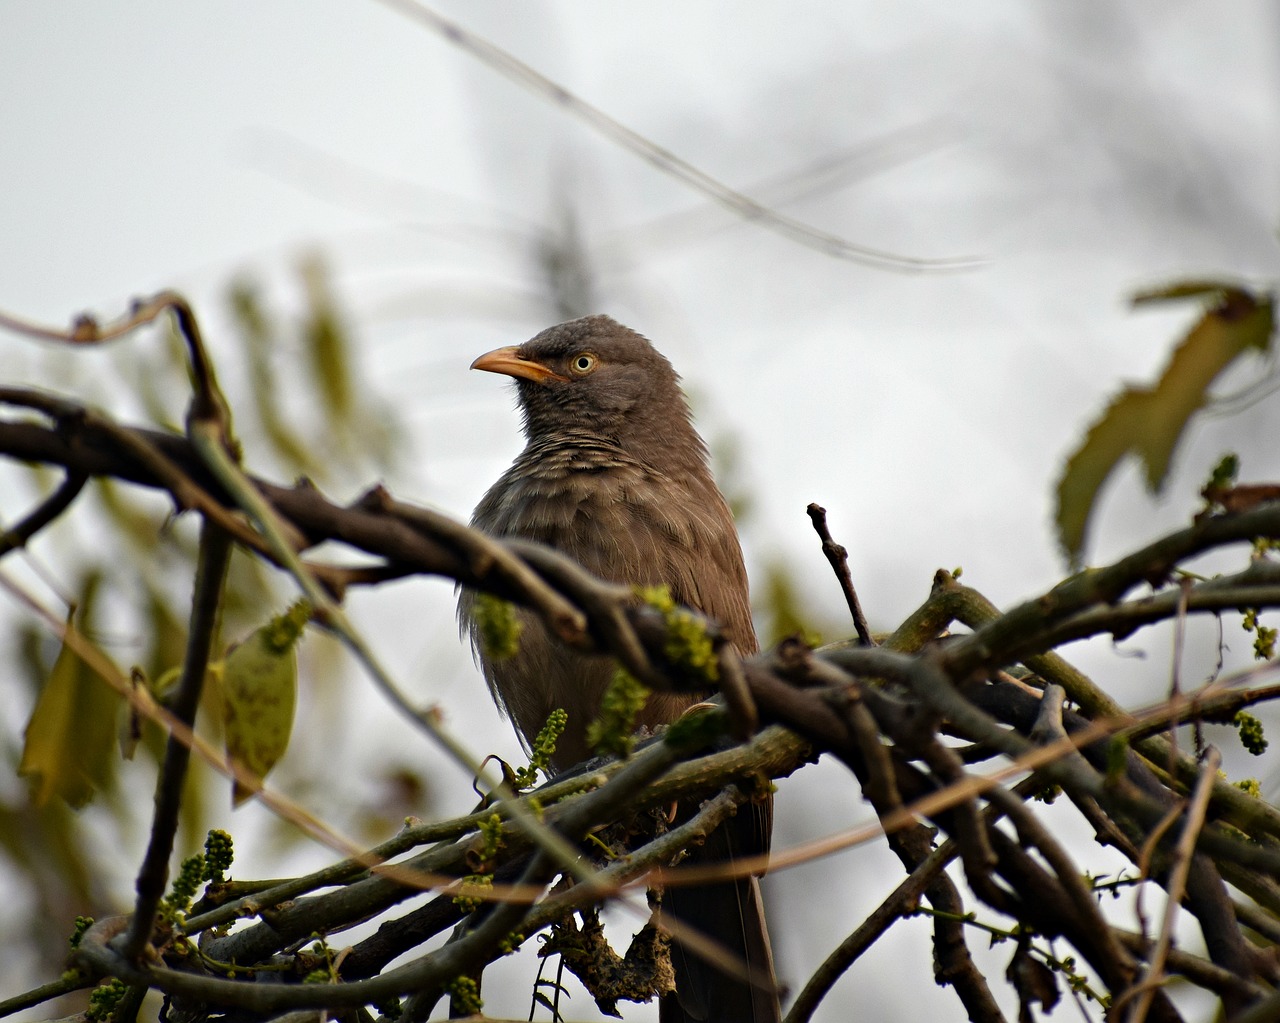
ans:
(839, 559)
(215, 553)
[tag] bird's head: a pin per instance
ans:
(595, 376)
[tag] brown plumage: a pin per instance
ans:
(615, 475)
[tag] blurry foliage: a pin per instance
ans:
(1149, 421)
(336, 411)
(259, 338)
(327, 348)
(45, 843)
(307, 410)
(69, 740)
(783, 605)
(565, 266)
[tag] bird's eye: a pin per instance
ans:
(583, 363)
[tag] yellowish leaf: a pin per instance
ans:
(261, 342)
(259, 691)
(72, 731)
(1148, 422)
(327, 341)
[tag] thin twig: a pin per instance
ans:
(211, 570)
(1025, 628)
(839, 559)
(1151, 843)
(487, 556)
(744, 717)
(141, 447)
(1031, 831)
(897, 904)
(73, 981)
(1195, 968)
(1175, 671)
(1182, 856)
(346, 870)
(50, 508)
(87, 331)
(663, 159)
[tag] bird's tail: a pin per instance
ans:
(731, 914)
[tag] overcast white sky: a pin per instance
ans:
(1080, 151)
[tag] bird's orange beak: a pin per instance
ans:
(508, 362)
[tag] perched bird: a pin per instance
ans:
(615, 476)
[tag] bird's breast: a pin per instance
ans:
(615, 515)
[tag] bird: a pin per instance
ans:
(615, 475)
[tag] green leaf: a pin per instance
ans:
(261, 342)
(72, 731)
(1148, 422)
(327, 342)
(259, 695)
